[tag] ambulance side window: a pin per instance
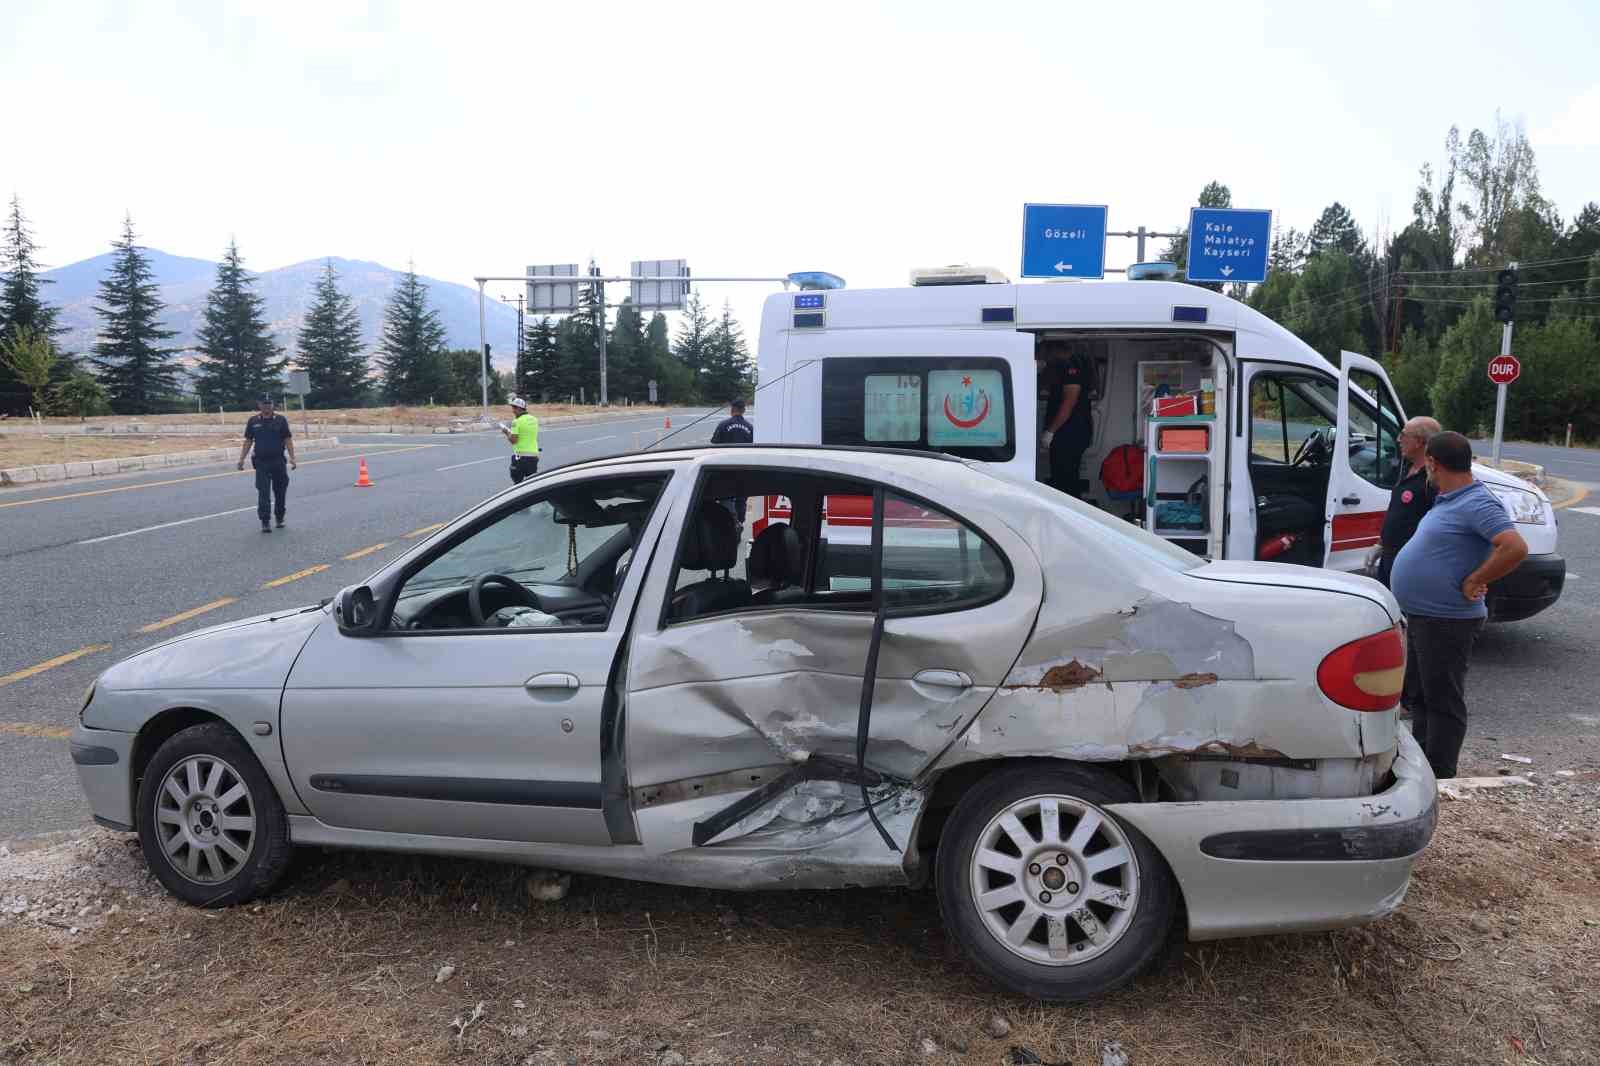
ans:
(960, 405)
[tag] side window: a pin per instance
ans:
(1374, 430)
(1291, 420)
(818, 555)
(959, 405)
(551, 563)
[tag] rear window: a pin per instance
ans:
(957, 405)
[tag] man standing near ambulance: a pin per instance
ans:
(523, 433)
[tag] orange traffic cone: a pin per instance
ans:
(362, 480)
(669, 421)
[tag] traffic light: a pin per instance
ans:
(1505, 295)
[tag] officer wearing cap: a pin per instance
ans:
(523, 433)
(268, 432)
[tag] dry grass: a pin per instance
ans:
(352, 416)
(17, 449)
(341, 967)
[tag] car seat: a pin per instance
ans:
(777, 561)
(711, 542)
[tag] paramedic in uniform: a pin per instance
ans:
(523, 433)
(1412, 495)
(1069, 424)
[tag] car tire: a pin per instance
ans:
(213, 829)
(1102, 907)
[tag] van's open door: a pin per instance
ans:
(1366, 461)
(966, 392)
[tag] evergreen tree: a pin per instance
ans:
(692, 344)
(578, 359)
(539, 376)
(330, 347)
(1215, 194)
(727, 372)
(627, 360)
(139, 375)
(239, 360)
(411, 351)
(466, 381)
(22, 308)
(674, 384)
(1336, 230)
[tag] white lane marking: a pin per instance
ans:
(1584, 510)
(165, 525)
(594, 440)
(475, 462)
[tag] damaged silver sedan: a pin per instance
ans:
(1079, 734)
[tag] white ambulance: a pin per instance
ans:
(1247, 443)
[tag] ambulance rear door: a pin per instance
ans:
(1366, 461)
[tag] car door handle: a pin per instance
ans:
(546, 682)
(1351, 501)
(944, 679)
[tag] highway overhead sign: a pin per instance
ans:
(1228, 244)
(553, 297)
(1504, 369)
(1063, 241)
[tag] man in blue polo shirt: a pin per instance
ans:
(1463, 544)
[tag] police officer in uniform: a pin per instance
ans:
(523, 433)
(734, 429)
(268, 432)
(1069, 424)
(1412, 495)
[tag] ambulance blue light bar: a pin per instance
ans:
(810, 301)
(1188, 314)
(816, 279)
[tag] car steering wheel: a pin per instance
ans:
(1311, 449)
(483, 581)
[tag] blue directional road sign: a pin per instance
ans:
(1228, 244)
(1063, 241)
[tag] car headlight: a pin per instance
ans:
(1523, 506)
(88, 698)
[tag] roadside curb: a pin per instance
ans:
(30, 475)
(1564, 493)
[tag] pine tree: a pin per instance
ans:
(627, 361)
(411, 351)
(673, 383)
(330, 347)
(694, 335)
(539, 366)
(578, 358)
(1215, 194)
(727, 371)
(22, 308)
(139, 375)
(239, 360)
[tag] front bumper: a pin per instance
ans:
(103, 759)
(1251, 867)
(1528, 589)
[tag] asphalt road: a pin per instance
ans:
(91, 567)
(102, 567)
(1573, 464)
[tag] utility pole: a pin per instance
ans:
(483, 348)
(600, 327)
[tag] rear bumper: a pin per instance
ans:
(1252, 867)
(1528, 589)
(102, 758)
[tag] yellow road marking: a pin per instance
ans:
(296, 576)
(40, 732)
(50, 664)
(184, 616)
(202, 477)
(367, 551)
(415, 533)
(1583, 490)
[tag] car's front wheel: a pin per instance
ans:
(1046, 890)
(212, 827)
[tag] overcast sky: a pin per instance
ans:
(750, 138)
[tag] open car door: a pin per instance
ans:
(1366, 461)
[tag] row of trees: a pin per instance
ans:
(1421, 299)
(133, 370)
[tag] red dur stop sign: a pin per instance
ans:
(1504, 369)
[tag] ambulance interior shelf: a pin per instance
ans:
(1180, 451)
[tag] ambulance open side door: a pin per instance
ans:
(971, 393)
(1366, 462)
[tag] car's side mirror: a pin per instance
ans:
(356, 611)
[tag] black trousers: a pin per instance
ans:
(1066, 455)
(1437, 653)
(272, 485)
(523, 467)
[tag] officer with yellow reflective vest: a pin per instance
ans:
(523, 433)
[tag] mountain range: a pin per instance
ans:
(286, 295)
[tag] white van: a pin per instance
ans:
(1295, 460)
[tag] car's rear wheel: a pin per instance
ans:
(1046, 890)
(212, 827)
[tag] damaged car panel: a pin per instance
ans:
(925, 671)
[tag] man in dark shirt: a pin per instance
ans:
(1411, 497)
(268, 432)
(1069, 423)
(734, 429)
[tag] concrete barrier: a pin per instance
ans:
(28, 475)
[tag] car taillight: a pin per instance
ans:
(1366, 674)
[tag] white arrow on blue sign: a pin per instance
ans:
(1228, 244)
(1063, 241)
